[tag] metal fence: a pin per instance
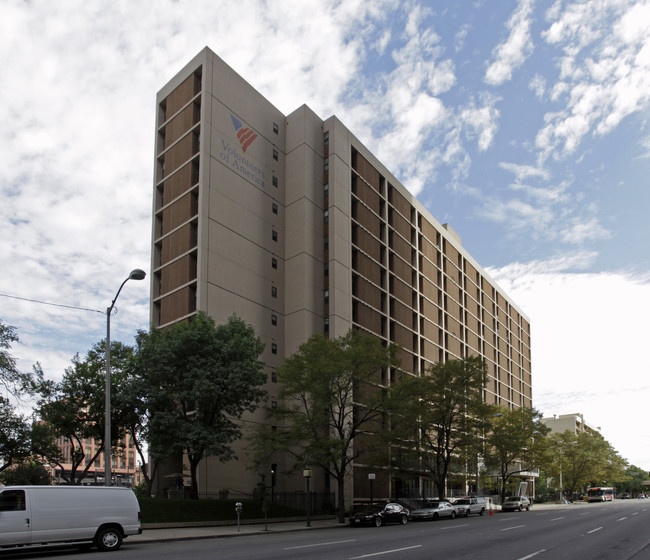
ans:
(320, 502)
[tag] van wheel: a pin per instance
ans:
(482, 511)
(108, 539)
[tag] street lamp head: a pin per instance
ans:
(137, 274)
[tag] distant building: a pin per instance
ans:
(124, 469)
(293, 224)
(574, 423)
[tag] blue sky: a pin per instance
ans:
(522, 124)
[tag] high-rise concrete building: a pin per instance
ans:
(290, 222)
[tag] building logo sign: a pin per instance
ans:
(244, 134)
(232, 156)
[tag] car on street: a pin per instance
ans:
(434, 509)
(381, 514)
(516, 503)
(470, 504)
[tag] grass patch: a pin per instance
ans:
(159, 510)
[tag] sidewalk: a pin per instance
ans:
(174, 532)
(157, 533)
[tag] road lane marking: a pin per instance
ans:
(556, 518)
(385, 552)
(594, 530)
(515, 527)
(532, 555)
(622, 519)
(318, 544)
(453, 526)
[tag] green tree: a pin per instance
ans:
(11, 378)
(26, 473)
(632, 481)
(131, 401)
(515, 443)
(15, 440)
(444, 418)
(74, 409)
(581, 460)
(330, 394)
(200, 378)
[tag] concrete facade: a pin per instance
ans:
(290, 222)
(574, 423)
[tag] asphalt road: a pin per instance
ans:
(609, 531)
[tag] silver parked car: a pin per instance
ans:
(433, 509)
(516, 503)
(470, 504)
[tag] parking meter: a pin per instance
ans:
(238, 509)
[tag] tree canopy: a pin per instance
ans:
(443, 419)
(515, 443)
(74, 409)
(330, 393)
(583, 459)
(200, 378)
(15, 437)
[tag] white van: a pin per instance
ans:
(83, 515)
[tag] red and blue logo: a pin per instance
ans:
(244, 134)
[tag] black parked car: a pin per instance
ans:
(380, 515)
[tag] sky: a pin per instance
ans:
(523, 124)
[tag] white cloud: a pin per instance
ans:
(604, 71)
(511, 54)
(481, 122)
(538, 85)
(461, 35)
(580, 231)
(588, 331)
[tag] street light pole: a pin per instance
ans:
(371, 478)
(136, 274)
(307, 474)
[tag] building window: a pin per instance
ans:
(326, 216)
(274, 319)
(276, 128)
(326, 324)
(274, 235)
(326, 269)
(326, 137)
(274, 292)
(327, 297)
(274, 207)
(274, 262)
(326, 189)
(274, 180)
(275, 154)
(326, 165)
(326, 243)
(274, 348)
